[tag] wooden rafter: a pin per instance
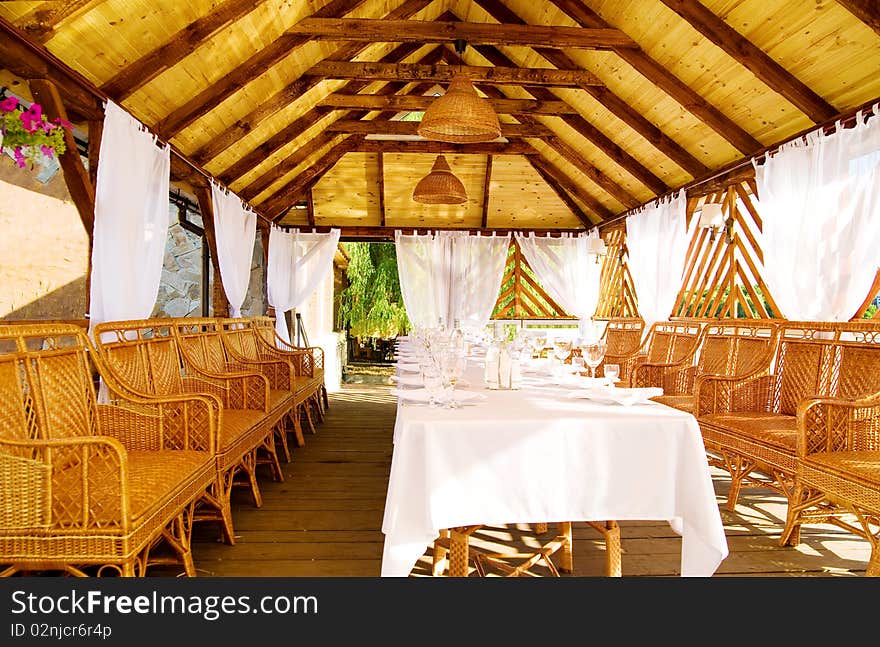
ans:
(776, 77)
(180, 45)
(297, 88)
(607, 98)
(563, 195)
(487, 182)
(513, 147)
(41, 23)
(380, 175)
(415, 103)
(669, 83)
(391, 127)
(868, 11)
(256, 65)
(432, 31)
(497, 75)
(563, 184)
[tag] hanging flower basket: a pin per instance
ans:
(28, 134)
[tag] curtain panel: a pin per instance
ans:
(235, 228)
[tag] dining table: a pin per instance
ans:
(546, 451)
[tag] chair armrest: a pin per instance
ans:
(77, 484)
(236, 390)
(163, 423)
(727, 394)
(278, 371)
(674, 379)
(838, 424)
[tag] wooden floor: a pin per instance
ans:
(325, 519)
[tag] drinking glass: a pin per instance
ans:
(612, 372)
(594, 353)
(452, 366)
(561, 350)
(538, 342)
(433, 382)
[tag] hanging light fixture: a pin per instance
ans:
(440, 186)
(460, 116)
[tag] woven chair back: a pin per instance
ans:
(622, 336)
(143, 355)
(241, 338)
(736, 348)
(201, 344)
(826, 359)
(672, 342)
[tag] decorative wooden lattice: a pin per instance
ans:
(616, 294)
(521, 296)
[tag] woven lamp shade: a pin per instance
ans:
(440, 186)
(460, 116)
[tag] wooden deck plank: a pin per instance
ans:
(325, 519)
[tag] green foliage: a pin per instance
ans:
(546, 310)
(372, 305)
(870, 312)
(413, 116)
(28, 134)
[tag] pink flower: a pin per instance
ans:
(32, 118)
(9, 104)
(19, 157)
(48, 151)
(64, 123)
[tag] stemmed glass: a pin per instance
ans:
(538, 342)
(433, 381)
(594, 353)
(452, 367)
(561, 350)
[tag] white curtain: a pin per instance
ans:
(450, 275)
(820, 201)
(657, 239)
(297, 263)
(131, 220)
(567, 271)
(235, 229)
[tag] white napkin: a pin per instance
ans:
(421, 395)
(407, 380)
(613, 395)
(412, 367)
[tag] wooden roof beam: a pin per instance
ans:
(868, 11)
(256, 65)
(41, 23)
(409, 103)
(297, 88)
(484, 205)
(668, 82)
(600, 212)
(390, 127)
(387, 233)
(776, 77)
(563, 195)
(626, 113)
(498, 75)
(513, 147)
(433, 31)
(180, 45)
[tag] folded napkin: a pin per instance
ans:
(613, 395)
(421, 395)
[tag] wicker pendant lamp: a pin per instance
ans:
(460, 116)
(440, 186)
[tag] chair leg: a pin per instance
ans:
(297, 426)
(249, 465)
(281, 436)
(566, 563)
(325, 397)
(873, 569)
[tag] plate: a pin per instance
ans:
(614, 395)
(407, 380)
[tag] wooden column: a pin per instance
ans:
(264, 239)
(220, 305)
(80, 184)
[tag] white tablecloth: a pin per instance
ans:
(536, 455)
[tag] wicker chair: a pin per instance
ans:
(667, 342)
(90, 488)
(733, 348)
(752, 422)
(146, 359)
(838, 471)
(244, 343)
(622, 336)
(265, 326)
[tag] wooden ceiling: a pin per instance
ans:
(301, 107)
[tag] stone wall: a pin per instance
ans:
(180, 288)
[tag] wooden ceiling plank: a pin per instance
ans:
(868, 11)
(562, 185)
(741, 49)
(443, 73)
(410, 103)
(297, 88)
(140, 72)
(392, 127)
(423, 31)
(42, 23)
(256, 65)
(487, 182)
(514, 147)
(668, 82)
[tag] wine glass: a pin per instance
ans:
(612, 372)
(538, 342)
(433, 382)
(594, 353)
(452, 366)
(561, 350)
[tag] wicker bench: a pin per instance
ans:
(89, 488)
(752, 423)
(733, 348)
(146, 359)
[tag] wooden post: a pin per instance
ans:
(206, 207)
(264, 239)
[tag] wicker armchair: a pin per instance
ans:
(265, 326)
(145, 358)
(90, 488)
(667, 342)
(838, 471)
(752, 422)
(244, 343)
(731, 348)
(622, 336)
